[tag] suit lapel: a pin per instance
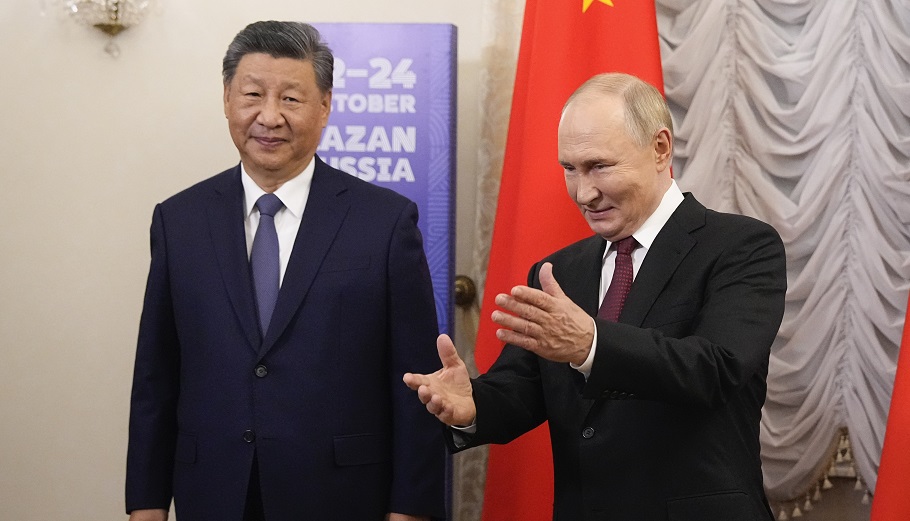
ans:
(225, 216)
(575, 276)
(326, 207)
(670, 247)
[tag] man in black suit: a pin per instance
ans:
(653, 401)
(282, 406)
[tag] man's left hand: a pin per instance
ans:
(545, 322)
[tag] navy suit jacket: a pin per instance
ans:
(666, 427)
(320, 398)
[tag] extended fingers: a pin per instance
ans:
(520, 306)
(436, 403)
(414, 381)
(532, 297)
(449, 358)
(525, 341)
(508, 320)
(424, 394)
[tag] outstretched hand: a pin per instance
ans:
(447, 392)
(545, 321)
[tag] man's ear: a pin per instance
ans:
(663, 149)
(227, 95)
(326, 107)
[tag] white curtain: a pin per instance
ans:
(796, 112)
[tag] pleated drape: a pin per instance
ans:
(796, 112)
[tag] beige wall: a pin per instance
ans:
(88, 145)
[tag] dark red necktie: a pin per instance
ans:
(622, 280)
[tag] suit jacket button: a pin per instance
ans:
(588, 433)
(249, 436)
(261, 371)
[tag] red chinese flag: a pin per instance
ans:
(892, 500)
(563, 43)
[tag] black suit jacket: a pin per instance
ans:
(666, 427)
(320, 398)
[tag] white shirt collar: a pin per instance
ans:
(293, 193)
(648, 231)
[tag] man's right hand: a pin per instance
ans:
(148, 515)
(447, 392)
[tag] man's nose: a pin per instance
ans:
(585, 190)
(270, 115)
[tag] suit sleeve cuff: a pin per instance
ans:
(585, 367)
(461, 436)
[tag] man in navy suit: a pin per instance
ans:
(293, 410)
(654, 410)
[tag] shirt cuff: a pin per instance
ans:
(585, 367)
(468, 429)
(461, 436)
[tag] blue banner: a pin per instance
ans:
(393, 124)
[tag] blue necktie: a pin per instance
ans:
(264, 259)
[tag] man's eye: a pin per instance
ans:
(292, 100)
(252, 94)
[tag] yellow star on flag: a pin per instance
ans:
(585, 4)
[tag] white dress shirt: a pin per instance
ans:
(645, 236)
(293, 194)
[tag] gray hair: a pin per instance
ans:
(296, 40)
(646, 110)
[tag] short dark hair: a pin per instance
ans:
(295, 40)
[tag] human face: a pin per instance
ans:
(276, 114)
(616, 183)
